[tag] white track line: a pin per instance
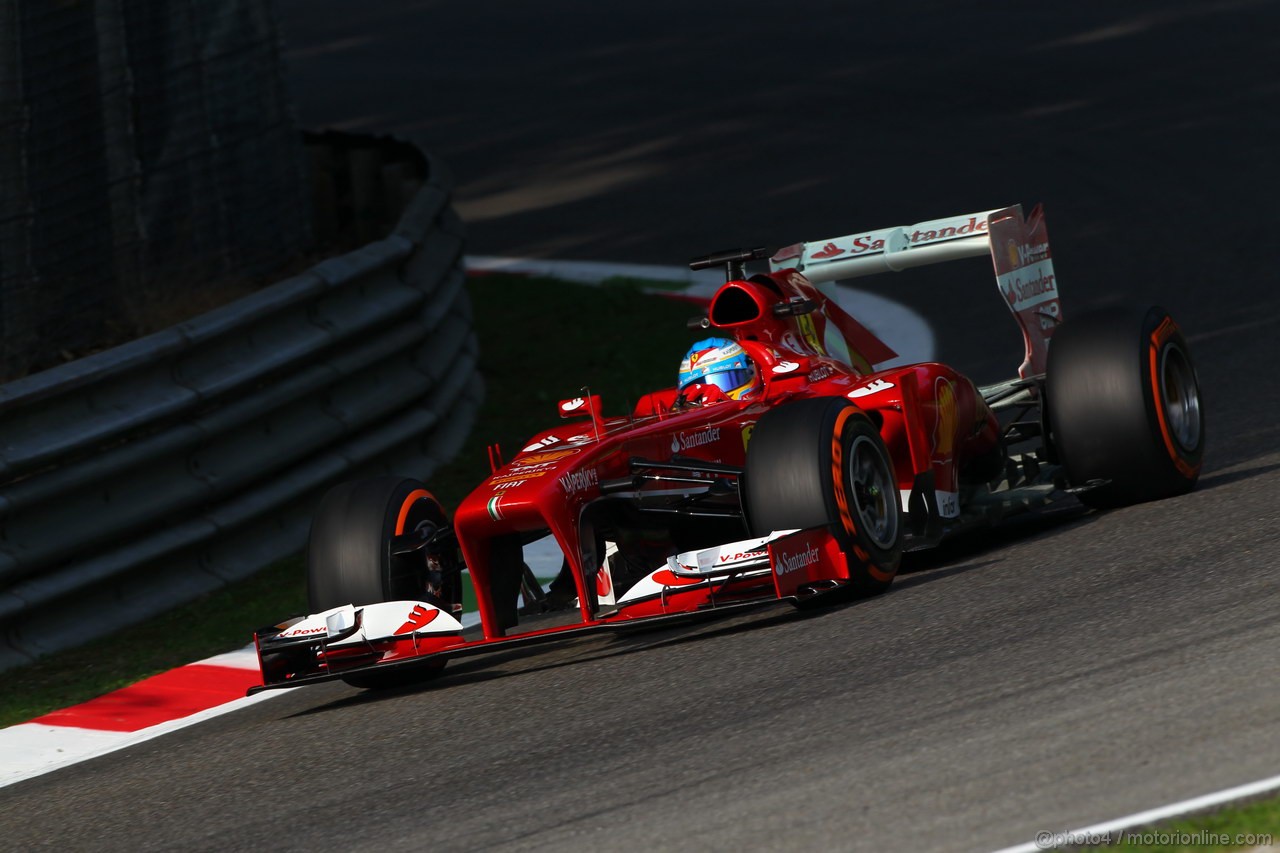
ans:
(1150, 816)
(32, 749)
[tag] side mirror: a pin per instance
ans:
(733, 260)
(795, 307)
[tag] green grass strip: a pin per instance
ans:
(1245, 827)
(217, 622)
(642, 283)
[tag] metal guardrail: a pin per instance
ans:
(141, 477)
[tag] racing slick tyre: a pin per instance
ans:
(1124, 407)
(822, 462)
(349, 558)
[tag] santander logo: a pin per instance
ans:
(788, 563)
(687, 440)
(1029, 286)
(874, 241)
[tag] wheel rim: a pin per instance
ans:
(1181, 397)
(874, 492)
(405, 574)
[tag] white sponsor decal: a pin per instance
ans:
(820, 373)
(796, 562)
(741, 555)
(870, 388)
(1029, 286)
(723, 555)
(948, 504)
(302, 632)
(1049, 315)
(1031, 254)
(538, 445)
(579, 480)
(874, 241)
(686, 440)
(785, 367)
(572, 405)
(508, 484)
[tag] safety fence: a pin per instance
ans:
(148, 153)
(141, 477)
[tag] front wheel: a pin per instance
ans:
(822, 462)
(349, 559)
(1124, 405)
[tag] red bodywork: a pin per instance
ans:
(931, 418)
(664, 481)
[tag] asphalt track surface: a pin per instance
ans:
(1048, 678)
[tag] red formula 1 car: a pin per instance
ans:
(807, 488)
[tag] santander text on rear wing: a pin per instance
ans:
(1019, 250)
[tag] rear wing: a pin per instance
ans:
(1019, 250)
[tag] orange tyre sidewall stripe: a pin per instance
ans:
(1162, 333)
(837, 472)
(842, 497)
(410, 499)
(879, 573)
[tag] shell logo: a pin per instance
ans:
(543, 458)
(1011, 252)
(419, 618)
(944, 433)
(666, 577)
(810, 334)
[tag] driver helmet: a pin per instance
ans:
(721, 363)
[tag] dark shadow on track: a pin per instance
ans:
(974, 543)
(923, 576)
(573, 652)
(1224, 478)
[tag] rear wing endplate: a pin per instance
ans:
(1019, 251)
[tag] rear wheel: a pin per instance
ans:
(822, 462)
(1124, 406)
(349, 559)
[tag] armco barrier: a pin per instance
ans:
(138, 478)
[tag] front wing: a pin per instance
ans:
(787, 566)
